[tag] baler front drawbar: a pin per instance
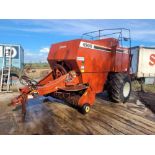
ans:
(67, 85)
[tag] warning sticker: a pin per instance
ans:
(80, 58)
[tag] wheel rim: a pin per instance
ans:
(87, 108)
(126, 89)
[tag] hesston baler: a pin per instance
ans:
(82, 68)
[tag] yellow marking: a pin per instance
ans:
(87, 109)
(82, 70)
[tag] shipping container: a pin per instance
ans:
(17, 55)
(143, 63)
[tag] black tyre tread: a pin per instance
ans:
(115, 83)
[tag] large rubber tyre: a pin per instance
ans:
(119, 87)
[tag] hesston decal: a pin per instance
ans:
(152, 60)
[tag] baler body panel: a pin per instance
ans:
(66, 52)
(92, 59)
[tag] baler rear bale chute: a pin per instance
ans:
(82, 68)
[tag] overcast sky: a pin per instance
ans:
(36, 36)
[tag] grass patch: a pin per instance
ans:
(38, 65)
(147, 88)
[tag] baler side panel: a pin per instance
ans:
(121, 62)
(95, 67)
(65, 51)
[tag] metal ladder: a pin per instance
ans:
(6, 70)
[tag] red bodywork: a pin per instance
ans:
(87, 63)
(93, 65)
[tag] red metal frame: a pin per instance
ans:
(88, 62)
